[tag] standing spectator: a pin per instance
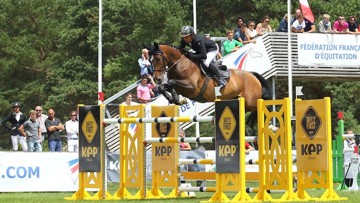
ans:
(298, 25)
(283, 27)
(72, 132)
(184, 146)
(143, 90)
(243, 36)
(31, 130)
(53, 127)
(144, 63)
(353, 26)
(231, 45)
(239, 21)
(248, 148)
(297, 15)
(324, 26)
(264, 26)
(16, 118)
(251, 31)
(40, 117)
(340, 26)
(128, 100)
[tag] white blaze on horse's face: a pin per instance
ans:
(159, 67)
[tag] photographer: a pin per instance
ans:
(16, 118)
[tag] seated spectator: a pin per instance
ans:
(353, 26)
(144, 63)
(264, 26)
(239, 21)
(298, 25)
(143, 90)
(309, 26)
(324, 26)
(242, 35)
(128, 101)
(184, 146)
(251, 31)
(340, 26)
(283, 27)
(248, 148)
(231, 45)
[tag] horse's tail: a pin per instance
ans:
(266, 91)
(266, 94)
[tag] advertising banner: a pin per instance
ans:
(38, 172)
(328, 50)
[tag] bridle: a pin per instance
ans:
(165, 67)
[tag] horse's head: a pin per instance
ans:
(159, 61)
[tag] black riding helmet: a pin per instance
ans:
(186, 31)
(15, 104)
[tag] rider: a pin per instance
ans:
(204, 48)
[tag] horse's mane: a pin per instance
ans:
(170, 45)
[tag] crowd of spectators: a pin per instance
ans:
(29, 132)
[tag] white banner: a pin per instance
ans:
(328, 50)
(37, 172)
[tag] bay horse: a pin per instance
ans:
(185, 77)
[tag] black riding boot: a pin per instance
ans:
(215, 71)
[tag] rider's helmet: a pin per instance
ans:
(16, 104)
(186, 31)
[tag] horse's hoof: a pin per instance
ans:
(183, 101)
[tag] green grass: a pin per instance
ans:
(54, 197)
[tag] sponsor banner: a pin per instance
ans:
(328, 50)
(312, 133)
(227, 115)
(38, 172)
(89, 138)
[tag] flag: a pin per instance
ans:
(305, 9)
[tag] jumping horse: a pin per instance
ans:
(180, 75)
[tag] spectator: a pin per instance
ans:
(239, 21)
(72, 132)
(243, 36)
(53, 127)
(297, 15)
(309, 26)
(128, 100)
(144, 63)
(32, 131)
(184, 146)
(231, 45)
(340, 26)
(251, 31)
(324, 26)
(264, 26)
(299, 25)
(16, 118)
(353, 26)
(248, 148)
(283, 27)
(40, 117)
(143, 90)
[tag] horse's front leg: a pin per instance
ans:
(176, 98)
(163, 89)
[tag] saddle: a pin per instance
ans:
(224, 72)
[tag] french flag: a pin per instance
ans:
(305, 8)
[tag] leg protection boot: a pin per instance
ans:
(215, 71)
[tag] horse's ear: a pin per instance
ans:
(156, 46)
